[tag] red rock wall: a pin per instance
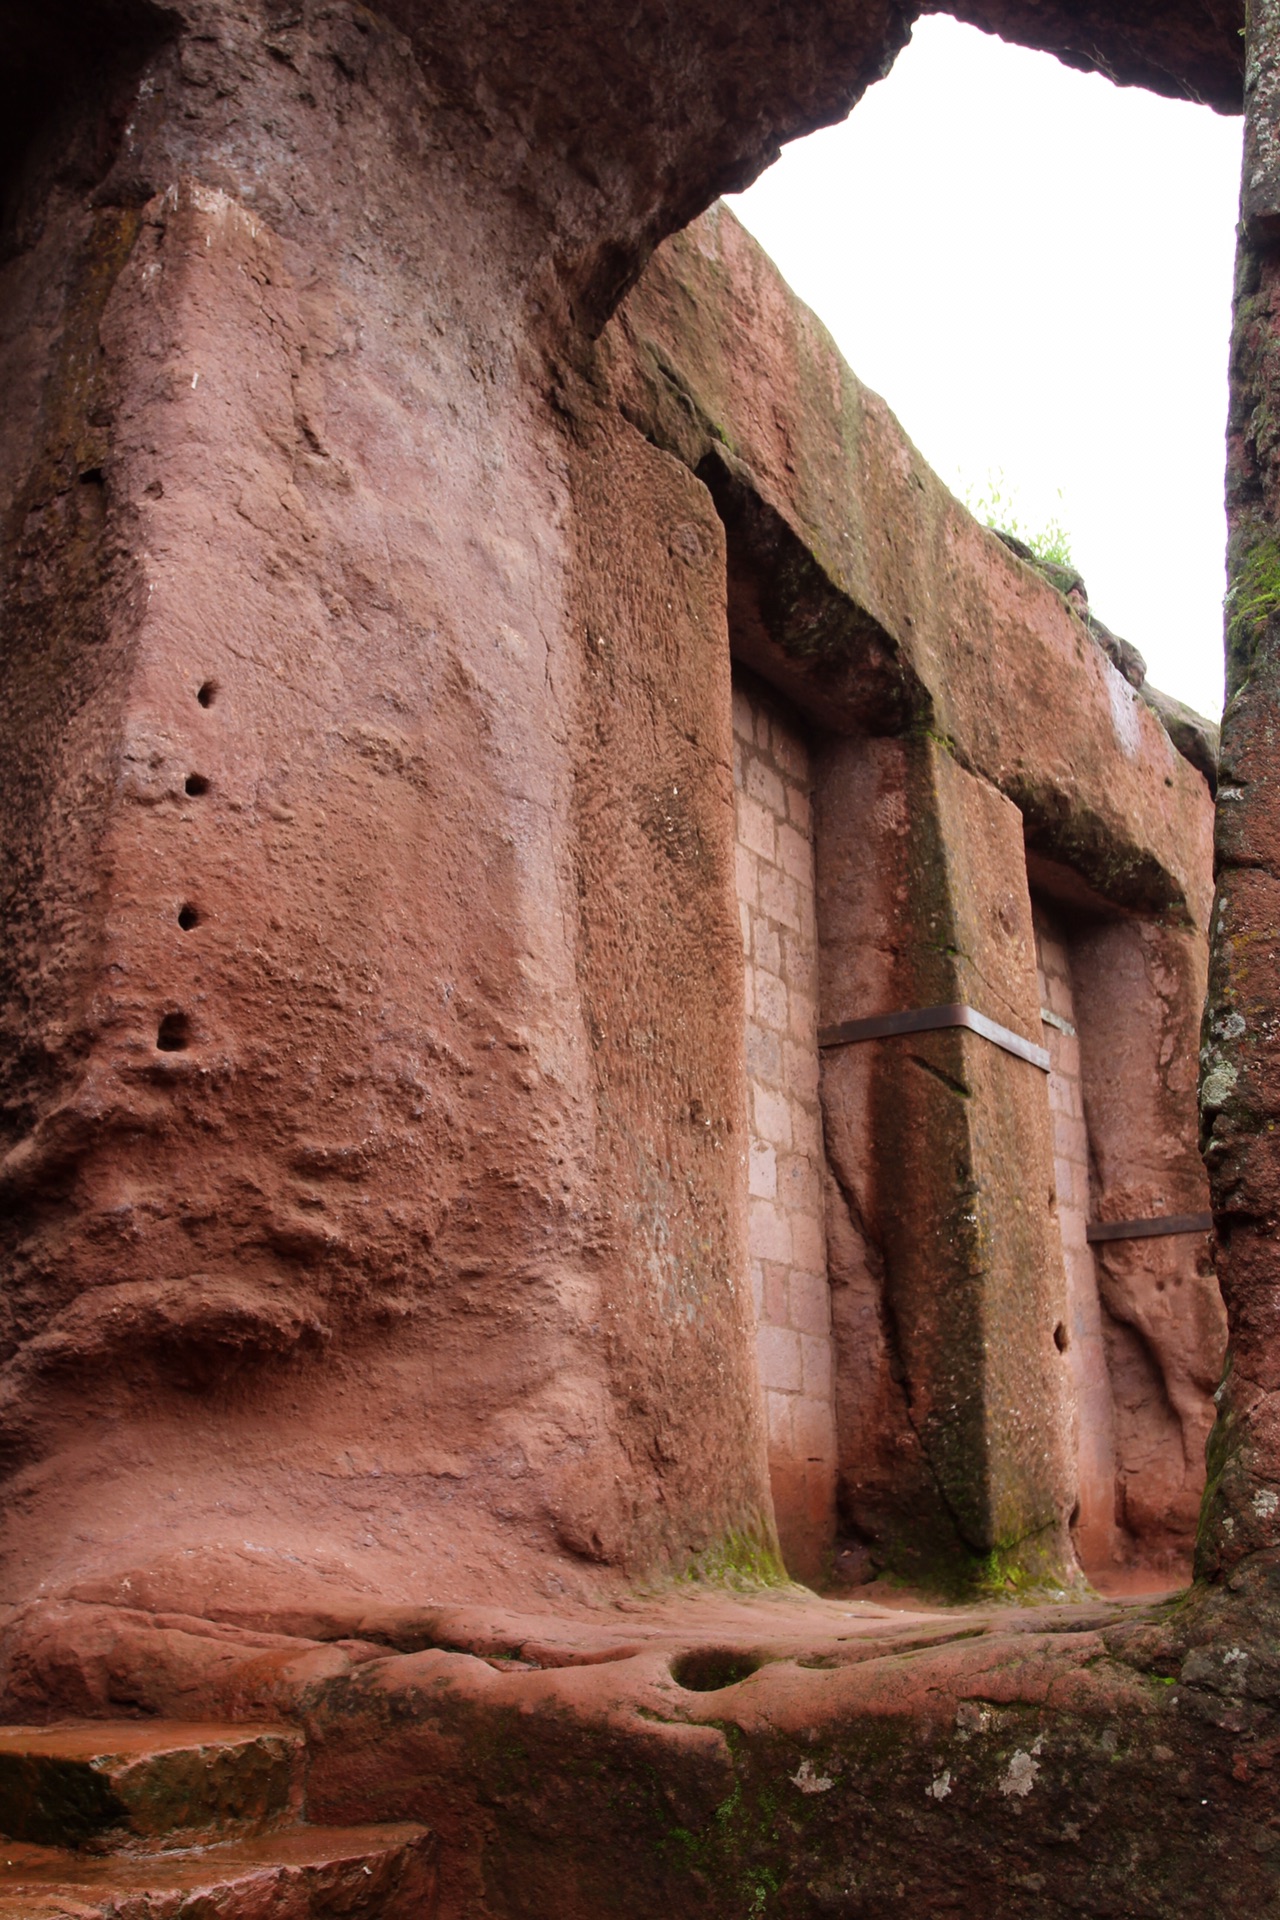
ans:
(1146, 1326)
(419, 1266)
(1138, 998)
(941, 1151)
(374, 1132)
(1239, 1538)
(1193, 56)
(712, 353)
(660, 977)
(381, 1203)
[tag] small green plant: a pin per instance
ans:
(996, 504)
(1253, 599)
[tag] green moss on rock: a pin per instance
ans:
(1253, 599)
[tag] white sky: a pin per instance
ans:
(1034, 268)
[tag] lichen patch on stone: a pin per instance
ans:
(809, 1780)
(1020, 1775)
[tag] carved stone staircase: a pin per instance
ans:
(157, 1820)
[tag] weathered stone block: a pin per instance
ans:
(383, 1871)
(781, 1366)
(69, 1785)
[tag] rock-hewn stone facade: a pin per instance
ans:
(1095, 1518)
(385, 525)
(786, 1237)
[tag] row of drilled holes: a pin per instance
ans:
(174, 1032)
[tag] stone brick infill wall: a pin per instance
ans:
(787, 1239)
(1094, 1528)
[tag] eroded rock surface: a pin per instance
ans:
(374, 1118)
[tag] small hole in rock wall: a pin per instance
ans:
(1060, 1337)
(1074, 1521)
(708, 1669)
(196, 783)
(94, 477)
(188, 917)
(208, 693)
(175, 1033)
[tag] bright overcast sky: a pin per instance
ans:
(1034, 268)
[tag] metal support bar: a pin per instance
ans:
(884, 1026)
(1149, 1229)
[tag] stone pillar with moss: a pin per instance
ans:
(942, 1161)
(1240, 1056)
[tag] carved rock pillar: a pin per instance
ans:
(1240, 1058)
(941, 1153)
(333, 1263)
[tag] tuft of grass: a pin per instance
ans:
(996, 504)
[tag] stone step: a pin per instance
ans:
(303, 1873)
(158, 1783)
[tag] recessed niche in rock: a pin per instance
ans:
(174, 1033)
(710, 1669)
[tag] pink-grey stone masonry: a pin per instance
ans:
(1094, 1419)
(786, 1233)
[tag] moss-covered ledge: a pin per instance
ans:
(773, 1755)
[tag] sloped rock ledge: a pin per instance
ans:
(773, 1754)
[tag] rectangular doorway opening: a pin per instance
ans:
(786, 1234)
